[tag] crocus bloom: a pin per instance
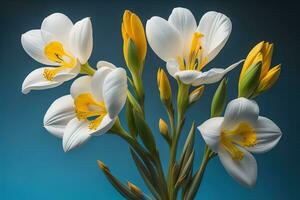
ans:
(132, 28)
(61, 46)
(187, 48)
(238, 133)
(262, 52)
(91, 108)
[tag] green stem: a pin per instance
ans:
(182, 103)
(87, 69)
(138, 85)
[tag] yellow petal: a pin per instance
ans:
(270, 79)
(267, 59)
(251, 56)
(125, 45)
(139, 37)
(126, 22)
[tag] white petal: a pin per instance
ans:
(214, 75)
(81, 85)
(36, 81)
(163, 38)
(59, 114)
(56, 27)
(81, 40)
(183, 20)
(98, 82)
(172, 67)
(216, 28)
(67, 74)
(268, 135)
(210, 131)
(115, 91)
(76, 133)
(188, 76)
(105, 126)
(211, 76)
(103, 63)
(34, 45)
(243, 171)
(240, 110)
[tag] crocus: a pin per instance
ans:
(61, 46)
(91, 108)
(261, 53)
(186, 47)
(238, 134)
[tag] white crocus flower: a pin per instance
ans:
(187, 48)
(91, 108)
(238, 133)
(59, 45)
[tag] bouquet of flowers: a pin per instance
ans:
(234, 131)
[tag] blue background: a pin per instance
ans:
(32, 162)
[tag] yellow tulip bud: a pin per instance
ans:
(196, 94)
(133, 188)
(163, 127)
(269, 80)
(133, 29)
(164, 86)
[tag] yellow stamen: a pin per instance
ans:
(243, 135)
(195, 50)
(86, 107)
(55, 52)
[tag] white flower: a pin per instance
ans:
(58, 43)
(91, 108)
(238, 133)
(187, 48)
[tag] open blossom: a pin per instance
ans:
(238, 133)
(60, 45)
(186, 47)
(91, 108)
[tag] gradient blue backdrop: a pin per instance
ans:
(32, 162)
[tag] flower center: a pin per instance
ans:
(243, 135)
(195, 59)
(88, 109)
(56, 53)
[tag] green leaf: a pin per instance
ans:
(144, 132)
(219, 99)
(250, 80)
(130, 119)
(186, 169)
(188, 147)
(149, 178)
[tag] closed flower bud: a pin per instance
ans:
(102, 166)
(219, 99)
(164, 86)
(133, 30)
(261, 53)
(196, 94)
(134, 189)
(163, 127)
